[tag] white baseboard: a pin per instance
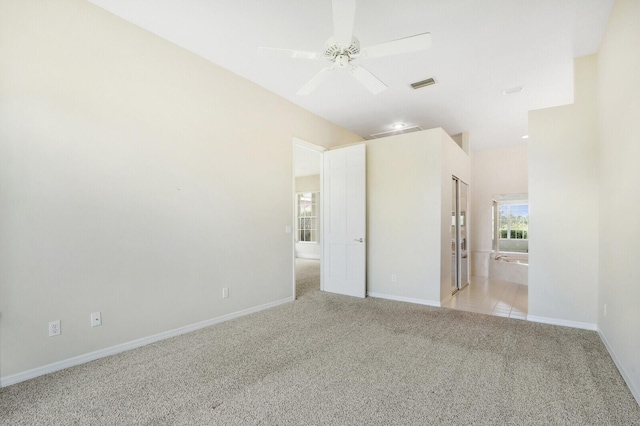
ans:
(623, 372)
(404, 299)
(564, 323)
(81, 359)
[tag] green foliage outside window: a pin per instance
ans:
(515, 234)
(513, 221)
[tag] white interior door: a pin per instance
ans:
(344, 224)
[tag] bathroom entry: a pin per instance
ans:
(459, 239)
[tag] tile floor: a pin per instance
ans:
(492, 297)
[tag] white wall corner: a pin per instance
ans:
(623, 372)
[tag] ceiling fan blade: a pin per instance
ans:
(314, 82)
(368, 80)
(275, 52)
(403, 45)
(344, 13)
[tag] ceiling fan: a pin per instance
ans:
(343, 48)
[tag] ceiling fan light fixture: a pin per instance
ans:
(423, 83)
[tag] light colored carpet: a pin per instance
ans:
(329, 359)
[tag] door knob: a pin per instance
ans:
(360, 240)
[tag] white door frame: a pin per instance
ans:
(313, 147)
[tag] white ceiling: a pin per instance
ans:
(479, 48)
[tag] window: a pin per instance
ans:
(494, 225)
(308, 217)
(513, 221)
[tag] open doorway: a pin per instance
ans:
(307, 199)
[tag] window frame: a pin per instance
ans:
(313, 219)
(509, 204)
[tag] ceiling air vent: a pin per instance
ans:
(395, 132)
(423, 83)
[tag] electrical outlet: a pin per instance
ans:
(225, 292)
(54, 328)
(96, 319)
(393, 278)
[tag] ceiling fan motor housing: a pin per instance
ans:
(342, 60)
(337, 53)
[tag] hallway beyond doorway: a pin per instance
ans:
(307, 276)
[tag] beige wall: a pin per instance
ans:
(494, 172)
(563, 197)
(308, 183)
(403, 186)
(130, 175)
(408, 201)
(619, 236)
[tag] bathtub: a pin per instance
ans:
(512, 267)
